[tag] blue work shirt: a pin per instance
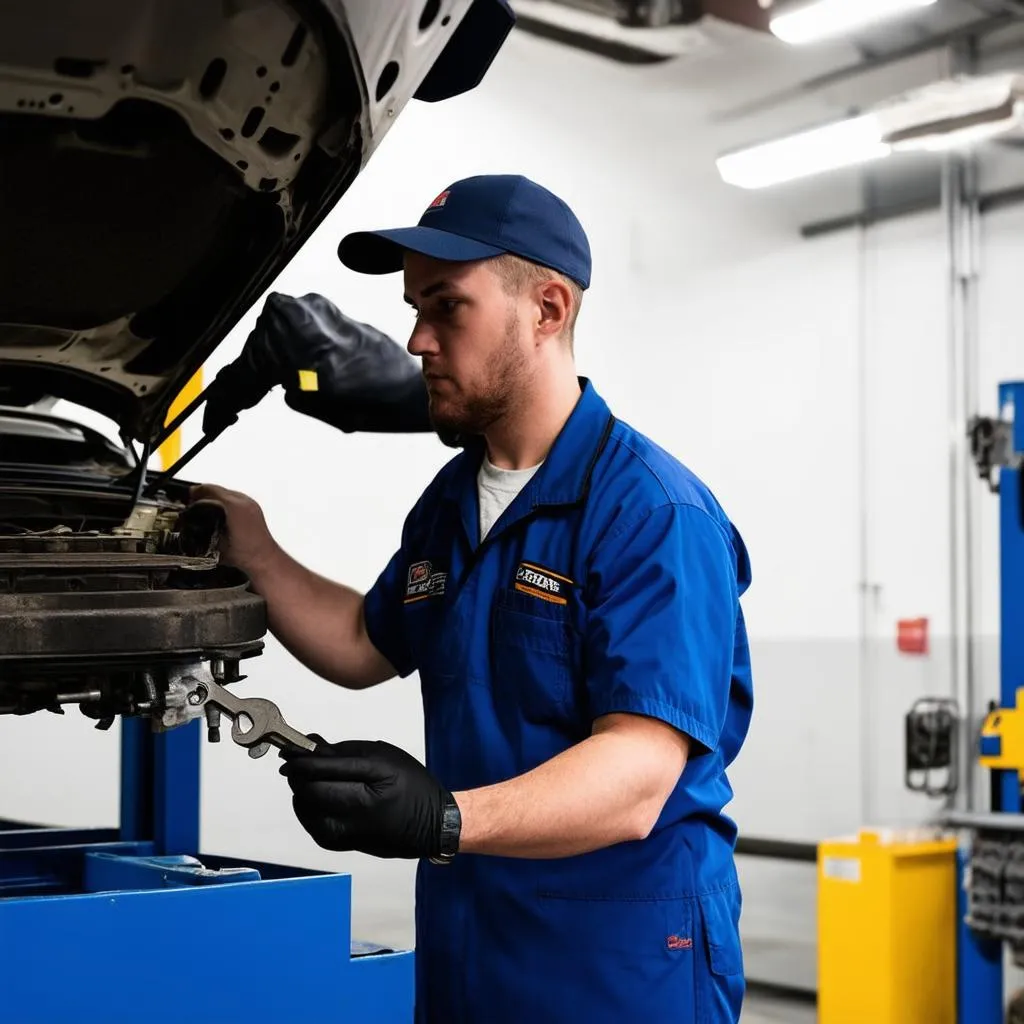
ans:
(610, 584)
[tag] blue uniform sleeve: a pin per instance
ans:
(661, 627)
(385, 621)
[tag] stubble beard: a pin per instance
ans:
(474, 413)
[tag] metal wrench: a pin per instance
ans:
(256, 723)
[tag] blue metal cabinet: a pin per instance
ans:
(131, 925)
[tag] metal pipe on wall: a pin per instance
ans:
(961, 205)
(950, 205)
(971, 401)
(863, 675)
(868, 590)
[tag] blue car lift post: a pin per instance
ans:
(134, 924)
(980, 986)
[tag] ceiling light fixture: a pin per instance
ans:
(941, 116)
(842, 144)
(955, 113)
(963, 138)
(822, 19)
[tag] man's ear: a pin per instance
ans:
(554, 304)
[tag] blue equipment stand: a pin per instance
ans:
(132, 925)
(980, 985)
(979, 990)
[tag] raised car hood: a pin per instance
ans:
(162, 160)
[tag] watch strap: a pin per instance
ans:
(451, 829)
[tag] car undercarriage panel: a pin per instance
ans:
(110, 617)
(55, 606)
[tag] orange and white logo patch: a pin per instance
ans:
(537, 581)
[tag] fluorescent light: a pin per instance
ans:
(842, 144)
(823, 18)
(940, 116)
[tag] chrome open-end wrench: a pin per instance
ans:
(256, 723)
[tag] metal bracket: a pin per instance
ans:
(104, 872)
(156, 479)
(931, 745)
(1002, 738)
(992, 447)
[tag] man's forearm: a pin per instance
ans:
(319, 621)
(610, 788)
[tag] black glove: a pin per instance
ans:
(365, 380)
(372, 797)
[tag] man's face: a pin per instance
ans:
(476, 359)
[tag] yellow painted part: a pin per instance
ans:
(308, 380)
(170, 450)
(887, 930)
(1008, 725)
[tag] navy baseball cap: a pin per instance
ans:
(476, 219)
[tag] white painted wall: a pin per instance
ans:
(1001, 359)
(746, 351)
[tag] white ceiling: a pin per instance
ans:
(741, 87)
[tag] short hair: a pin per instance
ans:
(516, 274)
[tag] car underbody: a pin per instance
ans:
(106, 601)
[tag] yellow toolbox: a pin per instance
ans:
(887, 928)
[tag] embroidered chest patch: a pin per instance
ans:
(424, 581)
(542, 583)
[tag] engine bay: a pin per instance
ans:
(109, 603)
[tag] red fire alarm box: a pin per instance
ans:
(912, 636)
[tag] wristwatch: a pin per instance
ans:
(451, 828)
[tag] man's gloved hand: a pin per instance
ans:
(372, 797)
(361, 379)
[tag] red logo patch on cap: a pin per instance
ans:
(440, 200)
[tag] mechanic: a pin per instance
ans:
(569, 594)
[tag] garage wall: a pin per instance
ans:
(907, 434)
(804, 380)
(1001, 359)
